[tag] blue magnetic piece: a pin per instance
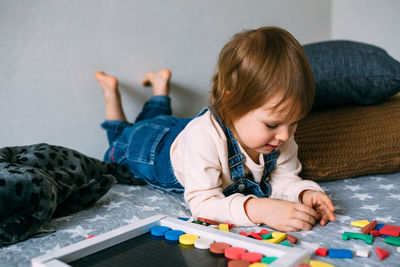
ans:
(379, 226)
(173, 235)
(340, 253)
(159, 230)
(183, 218)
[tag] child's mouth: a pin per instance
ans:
(271, 147)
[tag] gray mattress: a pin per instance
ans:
(369, 197)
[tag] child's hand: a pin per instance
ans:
(321, 203)
(281, 215)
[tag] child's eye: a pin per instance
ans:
(271, 126)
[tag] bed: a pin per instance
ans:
(368, 197)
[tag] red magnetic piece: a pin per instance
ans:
(90, 236)
(390, 230)
(382, 254)
(322, 252)
(256, 236)
(375, 232)
(234, 253)
(252, 256)
(244, 233)
(291, 238)
(263, 232)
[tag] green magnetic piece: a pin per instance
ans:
(267, 236)
(393, 240)
(198, 222)
(349, 235)
(268, 260)
(285, 243)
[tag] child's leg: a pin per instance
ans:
(159, 104)
(112, 97)
(115, 118)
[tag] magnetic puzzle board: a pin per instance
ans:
(133, 245)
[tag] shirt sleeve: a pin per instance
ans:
(285, 181)
(202, 180)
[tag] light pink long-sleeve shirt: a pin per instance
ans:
(199, 157)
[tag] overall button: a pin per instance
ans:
(241, 186)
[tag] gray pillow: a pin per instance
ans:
(351, 73)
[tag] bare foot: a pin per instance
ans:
(112, 97)
(159, 81)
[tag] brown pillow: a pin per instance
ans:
(352, 141)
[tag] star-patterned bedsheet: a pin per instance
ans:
(369, 197)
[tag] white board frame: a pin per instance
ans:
(287, 256)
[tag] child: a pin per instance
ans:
(236, 161)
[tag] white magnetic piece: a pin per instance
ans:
(398, 249)
(363, 253)
(203, 243)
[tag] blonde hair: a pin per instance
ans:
(256, 65)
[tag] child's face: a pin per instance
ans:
(264, 129)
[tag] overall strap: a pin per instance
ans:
(235, 156)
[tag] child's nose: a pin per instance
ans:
(283, 134)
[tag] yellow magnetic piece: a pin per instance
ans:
(277, 237)
(224, 227)
(187, 239)
(258, 264)
(314, 263)
(360, 223)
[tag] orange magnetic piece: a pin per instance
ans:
(219, 247)
(366, 229)
(322, 252)
(209, 221)
(390, 230)
(291, 238)
(382, 253)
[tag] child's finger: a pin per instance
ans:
(327, 202)
(307, 209)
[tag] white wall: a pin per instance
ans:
(371, 21)
(49, 51)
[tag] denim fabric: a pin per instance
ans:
(242, 182)
(144, 148)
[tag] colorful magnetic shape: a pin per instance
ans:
(159, 230)
(277, 237)
(224, 227)
(363, 253)
(291, 238)
(254, 235)
(390, 230)
(285, 243)
(268, 260)
(382, 253)
(322, 252)
(268, 236)
(349, 235)
(314, 263)
(375, 232)
(366, 229)
(393, 240)
(360, 223)
(340, 253)
(263, 232)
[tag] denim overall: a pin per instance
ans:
(144, 148)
